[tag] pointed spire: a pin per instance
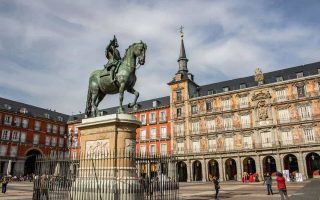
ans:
(183, 68)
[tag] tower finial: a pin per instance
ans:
(181, 31)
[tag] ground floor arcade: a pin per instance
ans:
(233, 166)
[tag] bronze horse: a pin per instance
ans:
(125, 79)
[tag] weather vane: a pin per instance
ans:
(181, 30)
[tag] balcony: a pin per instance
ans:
(178, 100)
(245, 125)
(179, 134)
(284, 98)
(178, 116)
(153, 121)
(163, 119)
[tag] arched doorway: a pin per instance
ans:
(269, 165)
(291, 163)
(213, 168)
(182, 171)
(231, 169)
(197, 171)
(249, 165)
(30, 163)
(313, 164)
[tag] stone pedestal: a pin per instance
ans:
(107, 166)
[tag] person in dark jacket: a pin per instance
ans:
(215, 181)
(268, 182)
(5, 182)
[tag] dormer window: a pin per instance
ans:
(299, 74)
(155, 103)
(7, 106)
(279, 78)
(23, 110)
(210, 92)
(225, 89)
(243, 85)
(46, 115)
(60, 118)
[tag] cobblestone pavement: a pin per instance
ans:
(308, 190)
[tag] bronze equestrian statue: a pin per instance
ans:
(102, 82)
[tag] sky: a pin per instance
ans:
(49, 48)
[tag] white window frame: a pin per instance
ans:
(145, 118)
(266, 139)
(143, 150)
(309, 135)
(195, 127)
(247, 142)
(243, 101)
(163, 148)
(304, 111)
(36, 138)
(180, 147)
(284, 115)
(227, 123)
(196, 146)
(281, 95)
(163, 132)
(5, 135)
(153, 133)
(13, 151)
(152, 117)
(15, 136)
(226, 104)
(3, 150)
(286, 137)
(25, 123)
(143, 134)
(210, 125)
(23, 137)
(229, 143)
(153, 146)
(245, 121)
(212, 145)
(163, 116)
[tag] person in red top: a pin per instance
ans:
(281, 183)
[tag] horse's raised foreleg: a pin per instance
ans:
(136, 94)
(121, 92)
(94, 103)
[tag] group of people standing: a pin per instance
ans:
(250, 177)
(281, 185)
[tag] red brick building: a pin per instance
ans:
(27, 131)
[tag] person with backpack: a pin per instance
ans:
(281, 183)
(268, 182)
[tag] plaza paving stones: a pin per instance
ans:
(308, 190)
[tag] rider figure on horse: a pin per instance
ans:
(113, 56)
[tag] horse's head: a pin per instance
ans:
(139, 50)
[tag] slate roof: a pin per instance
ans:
(142, 106)
(14, 106)
(270, 77)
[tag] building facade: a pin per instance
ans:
(253, 125)
(26, 132)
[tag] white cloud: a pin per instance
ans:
(49, 48)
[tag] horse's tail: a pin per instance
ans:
(89, 103)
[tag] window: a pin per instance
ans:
(155, 103)
(284, 115)
(153, 133)
(286, 137)
(75, 142)
(17, 121)
(195, 127)
(279, 78)
(53, 141)
(35, 138)
(243, 101)
(247, 142)
(180, 147)
(23, 110)
(153, 149)
(245, 121)
(69, 130)
(23, 137)
(152, 117)
(266, 139)
(143, 118)
(62, 130)
(209, 106)
(304, 111)
(229, 143)
(178, 95)
(48, 139)
(163, 148)
(299, 74)
(196, 146)
(210, 92)
(7, 119)
(54, 129)
(163, 116)
(60, 119)
(194, 109)
(227, 123)
(142, 150)
(281, 95)
(46, 115)
(212, 145)
(37, 125)
(25, 123)
(301, 91)
(5, 134)
(179, 112)
(15, 136)
(210, 125)
(61, 142)
(142, 134)
(163, 132)
(3, 150)
(226, 104)
(225, 89)
(243, 86)
(309, 135)
(49, 127)
(179, 129)
(13, 151)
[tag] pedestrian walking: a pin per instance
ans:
(281, 183)
(268, 182)
(215, 181)
(4, 182)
